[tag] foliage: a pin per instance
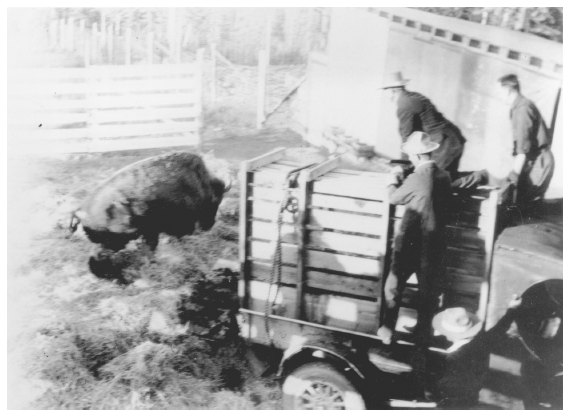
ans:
(541, 21)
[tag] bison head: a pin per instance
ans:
(207, 217)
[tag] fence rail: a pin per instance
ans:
(103, 103)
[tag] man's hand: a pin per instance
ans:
(515, 302)
(397, 173)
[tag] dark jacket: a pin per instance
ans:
(426, 194)
(416, 113)
(531, 137)
(529, 131)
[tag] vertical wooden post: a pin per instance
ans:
(111, 30)
(103, 29)
(199, 86)
(489, 245)
(261, 78)
(87, 52)
(70, 37)
(305, 184)
(244, 211)
(171, 32)
(149, 46)
(61, 34)
(53, 34)
(128, 46)
(268, 24)
(213, 66)
(117, 24)
(94, 45)
(82, 30)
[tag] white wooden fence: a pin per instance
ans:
(104, 108)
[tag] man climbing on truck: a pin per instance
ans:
(419, 244)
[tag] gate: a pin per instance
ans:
(104, 108)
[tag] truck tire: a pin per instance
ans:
(319, 386)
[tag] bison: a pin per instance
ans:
(168, 194)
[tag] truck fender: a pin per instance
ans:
(336, 354)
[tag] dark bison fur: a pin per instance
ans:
(168, 194)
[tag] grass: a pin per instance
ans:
(107, 345)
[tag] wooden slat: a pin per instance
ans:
(142, 85)
(46, 119)
(350, 188)
(271, 178)
(57, 89)
(465, 239)
(146, 114)
(262, 272)
(316, 259)
(344, 263)
(265, 251)
(264, 159)
(148, 70)
(274, 194)
(51, 134)
(146, 129)
(342, 284)
(347, 204)
(33, 104)
(27, 74)
(345, 313)
(467, 261)
(269, 211)
(347, 222)
(260, 292)
(463, 283)
(268, 231)
(345, 243)
(140, 100)
(323, 168)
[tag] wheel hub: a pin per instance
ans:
(320, 395)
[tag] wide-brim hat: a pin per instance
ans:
(394, 80)
(457, 323)
(419, 143)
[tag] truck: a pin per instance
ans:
(314, 249)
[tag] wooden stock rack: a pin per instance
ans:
(333, 244)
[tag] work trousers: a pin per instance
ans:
(426, 262)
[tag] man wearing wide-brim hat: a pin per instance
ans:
(419, 244)
(416, 112)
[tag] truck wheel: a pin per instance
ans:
(318, 386)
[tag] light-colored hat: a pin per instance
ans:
(457, 323)
(419, 143)
(395, 79)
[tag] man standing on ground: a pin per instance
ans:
(533, 163)
(420, 243)
(416, 113)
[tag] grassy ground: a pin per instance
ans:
(101, 345)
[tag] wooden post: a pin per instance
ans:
(103, 29)
(128, 46)
(268, 24)
(61, 34)
(199, 81)
(261, 78)
(94, 45)
(117, 24)
(149, 46)
(70, 34)
(87, 53)
(305, 186)
(213, 58)
(82, 30)
(111, 30)
(171, 31)
(53, 34)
